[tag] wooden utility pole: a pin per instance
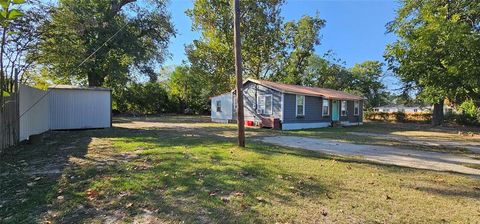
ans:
(238, 73)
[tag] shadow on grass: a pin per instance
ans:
(155, 173)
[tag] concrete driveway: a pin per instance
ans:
(381, 154)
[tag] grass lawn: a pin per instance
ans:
(194, 173)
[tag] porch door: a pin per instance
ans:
(335, 110)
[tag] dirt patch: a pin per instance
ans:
(471, 146)
(381, 154)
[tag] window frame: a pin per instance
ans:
(323, 108)
(356, 108)
(303, 106)
(343, 109)
(219, 106)
(264, 106)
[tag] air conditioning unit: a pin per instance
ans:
(260, 111)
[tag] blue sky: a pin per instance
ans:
(354, 31)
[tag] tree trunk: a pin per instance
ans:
(437, 116)
(238, 73)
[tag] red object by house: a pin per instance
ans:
(249, 123)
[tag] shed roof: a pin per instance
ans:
(305, 90)
(71, 87)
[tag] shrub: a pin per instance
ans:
(470, 114)
(400, 116)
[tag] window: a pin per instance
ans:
(300, 106)
(326, 108)
(356, 108)
(344, 108)
(265, 104)
(386, 110)
(219, 106)
(376, 110)
(415, 110)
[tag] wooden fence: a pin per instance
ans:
(9, 122)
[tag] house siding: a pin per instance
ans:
(250, 93)
(350, 113)
(313, 110)
(287, 112)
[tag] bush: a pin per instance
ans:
(398, 116)
(470, 114)
(143, 98)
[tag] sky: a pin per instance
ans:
(354, 32)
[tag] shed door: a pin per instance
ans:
(335, 110)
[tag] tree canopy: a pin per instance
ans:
(115, 40)
(438, 50)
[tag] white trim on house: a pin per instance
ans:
(282, 105)
(264, 106)
(223, 121)
(298, 126)
(343, 109)
(328, 107)
(296, 106)
(356, 105)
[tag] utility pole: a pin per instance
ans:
(238, 73)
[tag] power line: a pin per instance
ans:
(83, 62)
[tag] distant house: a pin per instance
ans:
(289, 107)
(393, 108)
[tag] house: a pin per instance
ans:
(292, 106)
(393, 108)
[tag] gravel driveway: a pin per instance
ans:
(381, 154)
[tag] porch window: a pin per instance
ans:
(219, 106)
(356, 108)
(326, 107)
(300, 106)
(265, 104)
(343, 111)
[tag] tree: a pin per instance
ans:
(21, 50)
(301, 38)
(112, 40)
(367, 82)
(211, 55)
(187, 88)
(438, 51)
(9, 12)
(327, 72)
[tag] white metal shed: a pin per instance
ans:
(79, 107)
(222, 108)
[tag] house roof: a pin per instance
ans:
(305, 90)
(70, 87)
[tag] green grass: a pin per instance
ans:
(198, 175)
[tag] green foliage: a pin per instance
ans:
(363, 79)
(5, 94)
(7, 13)
(271, 49)
(470, 113)
(469, 108)
(301, 38)
(143, 98)
(135, 34)
(438, 48)
(187, 88)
